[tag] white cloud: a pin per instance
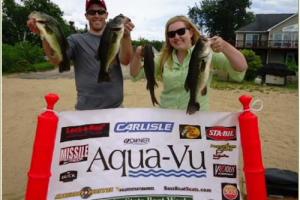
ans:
(150, 17)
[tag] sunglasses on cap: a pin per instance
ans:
(180, 32)
(93, 12)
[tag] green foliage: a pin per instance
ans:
(292, 65)
(155, 43)
(21, 57)
(250, 86)
(254, 63)
(221, 17)
(15, 18)
(43, 66)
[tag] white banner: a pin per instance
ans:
(146, 153)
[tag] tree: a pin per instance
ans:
(15, 17)
(221, 17)
(14, 22)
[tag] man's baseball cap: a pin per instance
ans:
(88, 3)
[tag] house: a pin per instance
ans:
(274, 37)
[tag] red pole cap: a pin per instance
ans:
(246, 100)
(51, 100)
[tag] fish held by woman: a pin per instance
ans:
(51, 31)
(149, 69)
(198, 73)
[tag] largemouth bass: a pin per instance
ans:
(149, 69)
(198, 73)
(51, 31)
(110, 45)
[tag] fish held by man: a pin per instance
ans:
(198, 73)
(51, 31)
(110, 45)
(149, 69)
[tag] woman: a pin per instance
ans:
(171, 65)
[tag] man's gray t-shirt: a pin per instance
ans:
(91, 94)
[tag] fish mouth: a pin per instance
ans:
(116, 29)
(41, 21)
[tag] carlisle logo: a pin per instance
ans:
(73, 154)
(220, 133)
(123, 127)
(84, 132)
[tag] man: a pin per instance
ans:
(83, 49)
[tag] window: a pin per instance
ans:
(252, 40)
(277, 40)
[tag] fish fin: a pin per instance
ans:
(64, 65)
(104, 77)
(116, 60)
(192, 108)
(202, 67)
(204, 91)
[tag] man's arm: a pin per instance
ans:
(126, 50)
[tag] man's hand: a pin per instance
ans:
(129, 26)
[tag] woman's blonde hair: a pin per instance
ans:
(167, 49)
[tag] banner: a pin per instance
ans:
(146, 153)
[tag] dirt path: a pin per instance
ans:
(23, 100)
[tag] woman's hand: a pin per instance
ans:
(218, 44)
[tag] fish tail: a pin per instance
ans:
(192, 107)
(153, 98)
(104, 77)
(64, 65)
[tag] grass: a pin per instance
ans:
(26, 67)
(251, 86)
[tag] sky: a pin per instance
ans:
(150, 16)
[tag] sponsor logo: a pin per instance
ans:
(150, 161)
(220, 133)
(220, 150)
(84, 132)
(189, 131)
(230, 191)
(84, 193)
(68, 176)
(222, 170)
(73, 154)
(123, 127)
(137, 141)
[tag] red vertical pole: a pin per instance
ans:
(253, 165)
(40, 168)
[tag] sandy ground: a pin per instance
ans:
(23, 100)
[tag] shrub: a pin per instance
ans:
(21, 57)
(292, 65)
(254, 63)
(44, 66)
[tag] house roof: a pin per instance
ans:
(263, 22)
